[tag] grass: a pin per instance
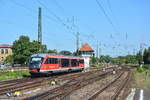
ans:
(141, 81)
(6, 75)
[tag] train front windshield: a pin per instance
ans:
(35, 62)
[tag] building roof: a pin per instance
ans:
(5, 46)
(86, 47)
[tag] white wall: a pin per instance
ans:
(86, 62)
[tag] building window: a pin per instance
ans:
(51, 61)
(2, 51)
(6, 51)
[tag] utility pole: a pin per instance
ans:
(134, 52)
(99, 50)
(141, 51)
(40, 25)
(77, 42)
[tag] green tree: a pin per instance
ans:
(146, 56)
(94, 60)
(105, 59)
(53, 51)
(65, 52)
(9, 59)
(23, 48)
(36, 47)
(76, 53)
(139, 57)
(131, 59)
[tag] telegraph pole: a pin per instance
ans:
(99, 50)
(40, 25)
(141, 51)
(77, 42)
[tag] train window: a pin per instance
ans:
(74, 62)
(81, 61)
(36, 62)
(47, 61)
(65, 62)
(51, 61)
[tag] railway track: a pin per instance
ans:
(118, 84)
(14, 82)
(122, 86)
(29, 83)
(8, 82)
(11, 81)
(63, 91)
(21, 85)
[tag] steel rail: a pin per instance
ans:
(93, 97)
(27, 84)
(63, 91)
(121, 86)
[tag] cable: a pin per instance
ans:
(30, 10)
(113, 15)
(57, 17)
(57, 4)
(107, 17)
(61, 21)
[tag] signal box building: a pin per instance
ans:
(5, 50)
(86, 52)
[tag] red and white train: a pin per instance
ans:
(51, 63)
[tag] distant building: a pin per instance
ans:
(86, 52)
(5, 50)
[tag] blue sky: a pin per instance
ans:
(129, 17)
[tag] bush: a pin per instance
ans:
(146, 66)
(5, 75)
(97, 65)
(140, 69)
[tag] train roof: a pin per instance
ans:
(52, 54)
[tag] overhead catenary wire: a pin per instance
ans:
(31, 10)
(115, 19)
(58, 5)
(32, 13)
(61, 21)
(116, 26)
(56, 17)
(64, 24)
(107, 17)
(113, 15)
(73, 26)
